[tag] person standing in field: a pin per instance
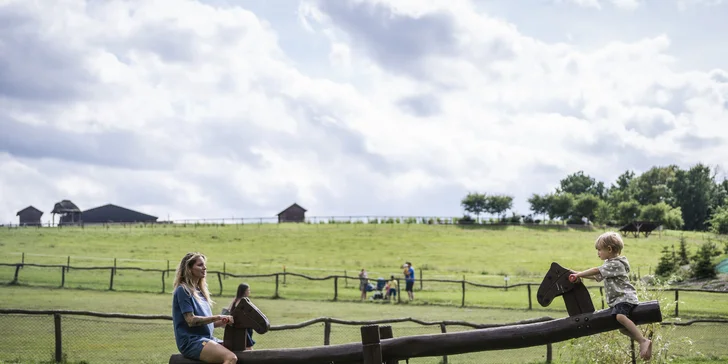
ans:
(409, 280)
(243, 291)
(621, 294)
(391, 288)
(363, 283)
(192, 314)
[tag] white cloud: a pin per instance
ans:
(187, 109)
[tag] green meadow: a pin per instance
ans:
(480, 255)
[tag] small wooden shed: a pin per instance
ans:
(29, 216)
(294, 213)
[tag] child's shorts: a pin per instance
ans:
(623, 308)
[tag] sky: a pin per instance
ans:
(187, 109)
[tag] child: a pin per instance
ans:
(391, 288)
(621, 295)
(243, 291)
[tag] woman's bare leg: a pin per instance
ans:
(213, 352)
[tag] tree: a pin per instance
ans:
(683, 254)
(628, 211)
(702, 266)
(667, 265)
(586, 205)
(652, 187)
(674, 220)
(539, 204)
(474, 203)
(655, 212)
(693, 190)
(579, 183)
(719, 221)
(560, 205)
(498, 204)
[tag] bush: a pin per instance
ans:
(702, 265)
(667, 264)
(466, 220)
(719, 221)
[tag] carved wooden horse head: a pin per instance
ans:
(556, 283)
(245, 316)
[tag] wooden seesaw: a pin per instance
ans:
(378, 346)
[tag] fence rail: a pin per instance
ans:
(77, 342)
(276, 293)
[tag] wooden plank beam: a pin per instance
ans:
(496, 338)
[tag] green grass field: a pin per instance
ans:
(441, 252)
(438, 252)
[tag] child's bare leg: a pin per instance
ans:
(633, 332)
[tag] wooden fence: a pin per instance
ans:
(463, 284)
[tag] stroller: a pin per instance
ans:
(379, 289)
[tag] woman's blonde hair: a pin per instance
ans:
(611, 240)
(185, 279)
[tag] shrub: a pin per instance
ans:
(702, 265)
(667, 264)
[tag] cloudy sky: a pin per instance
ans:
(222, 108)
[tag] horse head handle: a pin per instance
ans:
(246, 315)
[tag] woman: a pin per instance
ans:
(192, 314)
(363, 283)
(243, 291)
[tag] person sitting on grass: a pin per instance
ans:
(621, 294)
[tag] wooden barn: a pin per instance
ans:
(111, 213)
(29, 216)
(70, 213)
(294, 213)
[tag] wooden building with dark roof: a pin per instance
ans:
(70, 213)
(111, 213)
(294, 213)
(29, 216)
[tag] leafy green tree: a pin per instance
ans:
(539, 204)
(474, 203)
(652, 186)
(655, 212)
(628, 211)
(560, 205)
(693, 190)
(622, 190)
(674, 220)
(586, 205)
(498, 204)
(719, 221)
(579, 183)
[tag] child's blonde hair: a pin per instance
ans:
(610, 240)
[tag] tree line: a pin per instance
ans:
(681, 199)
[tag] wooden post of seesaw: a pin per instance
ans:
(371, 345)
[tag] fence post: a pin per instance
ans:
(327, 332)
(284, 275)
(111, 280)
(530, 306)
(346, 279)
(224, 269)
(219, 279)
(677, 297)
(463, 285)
(163, 282)
(634, 357)
(167, 267)
(63, 276)
(114, 266)
(59, 346)
(399, 292)
(443, 329)
(22, 259)
(371, 346)
(276, 294)
(420, 279)
(68, 262)
(336, 287)
(17, 270)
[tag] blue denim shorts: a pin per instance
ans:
(623, 308)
